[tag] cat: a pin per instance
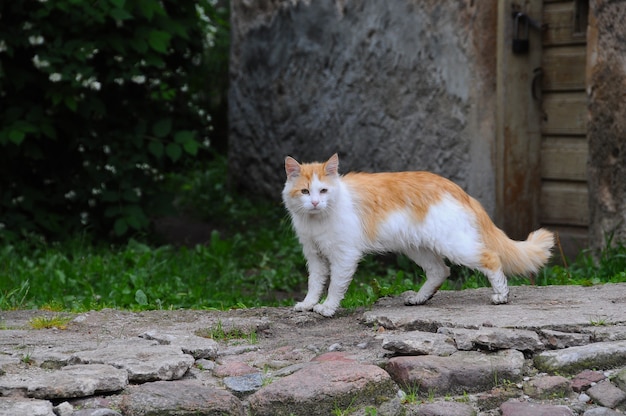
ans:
(338, 219)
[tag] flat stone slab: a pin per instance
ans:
(419, 343)
(77, 381)
(515, 408)
(318, 389)
(180, 398)
(144, 361)
(25, 407)
(569, 306)
(463, 372)
(571, 360)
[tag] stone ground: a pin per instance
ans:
(550, 351)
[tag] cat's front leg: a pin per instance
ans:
(318, 273)
(341, 273)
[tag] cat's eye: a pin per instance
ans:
(305, 191)
(323, 190)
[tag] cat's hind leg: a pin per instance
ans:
(436, 273)
(492, 268)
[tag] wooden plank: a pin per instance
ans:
(564, 158)
(564, 203)
(564, 68)
(564, 114)
(518, 138)
(560, 30)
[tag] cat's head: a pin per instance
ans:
(310, 187)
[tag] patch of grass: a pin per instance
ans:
(252, 259)
(46, 322)
(219, 333)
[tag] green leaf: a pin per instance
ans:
(183, 136)
(120, 227)
(191, 147)
(141, 298)
(16, 136)
(162, 128)
(156, 148)
(174, 151)
(70, 103)
(134, 222)
(120, 14)
(159, 40)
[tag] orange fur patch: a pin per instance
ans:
(380, 194)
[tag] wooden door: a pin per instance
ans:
(563, 201)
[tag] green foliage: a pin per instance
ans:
(99, 101)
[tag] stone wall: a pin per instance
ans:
(606, 85)
(389, 85)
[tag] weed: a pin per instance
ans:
(219, 333)
(337, 411)
(411, 395)
(597, 321)
(45, 322)
(371, 411)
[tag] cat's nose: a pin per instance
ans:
(315, 203)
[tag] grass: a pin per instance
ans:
(45, 322)
(253, 259)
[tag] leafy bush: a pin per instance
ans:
(100, 100)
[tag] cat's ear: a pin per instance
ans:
(292, 167)
(331, 166)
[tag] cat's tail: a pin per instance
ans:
(524, 257)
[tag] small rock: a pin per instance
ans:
(583, 398)
(548, 387)
(333, 356)
(560, 340)
(516, 408)
(445, 409)
(204, 364)
(246, 384)
(601, 411)
(335, 347)
(64, 409)
(620, 379)
(607, 394)
(586, 379)
(419, 343)
(233, 369)
(96, 412)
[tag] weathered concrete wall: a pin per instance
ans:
(389, 85)
(606, 86)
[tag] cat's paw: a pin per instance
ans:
(303, 306)
(499, 299)
(415, 298)
(324, 310)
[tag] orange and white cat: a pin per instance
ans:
(338, 219)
